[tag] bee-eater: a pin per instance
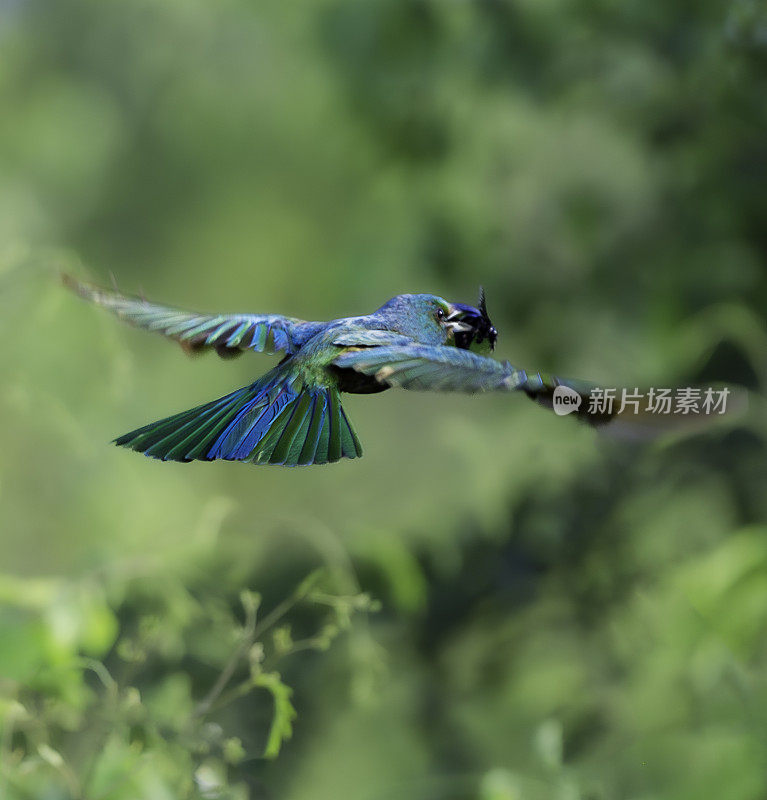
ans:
(293, 415)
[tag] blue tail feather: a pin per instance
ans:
(275, 420)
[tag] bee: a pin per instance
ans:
(478, 333)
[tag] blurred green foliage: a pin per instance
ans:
(560, 616)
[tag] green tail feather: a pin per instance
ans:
(273, 421)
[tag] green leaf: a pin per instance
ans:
(283, 640)
(233, 751)
(284, 713)
(170, 703)
(250, 602)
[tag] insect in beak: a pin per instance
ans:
(471, 325)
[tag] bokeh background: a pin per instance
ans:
(501, 604)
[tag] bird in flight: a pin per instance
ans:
(293, 415)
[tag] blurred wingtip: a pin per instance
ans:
(649, 427)
(89, 291)
(74, 285)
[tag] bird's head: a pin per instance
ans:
(433, 320)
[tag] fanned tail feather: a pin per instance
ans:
(273, 421)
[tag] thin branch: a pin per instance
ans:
(251, 634)
(246, 642)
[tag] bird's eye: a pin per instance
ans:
(440, 313)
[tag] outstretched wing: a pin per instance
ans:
(228, 334)
(449, 369)
(425, 367)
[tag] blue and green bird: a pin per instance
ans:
(293, 414)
